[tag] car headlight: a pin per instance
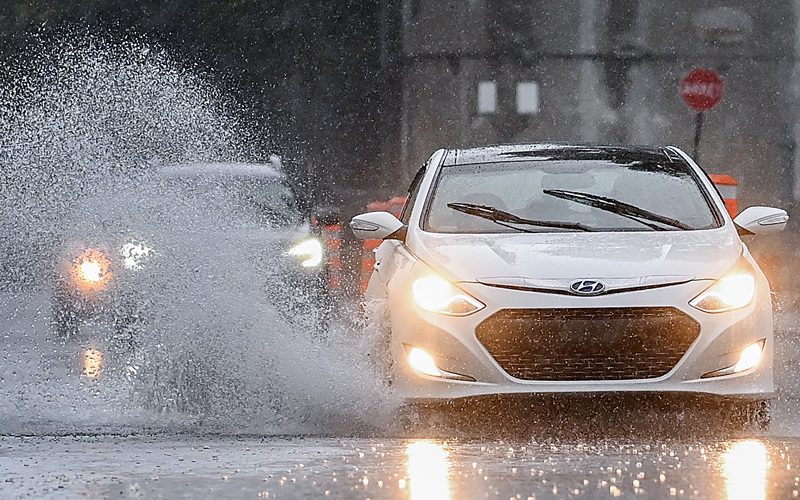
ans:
(436, 294)
(309, 251)
(134, 254)
(733, 291)
(91, 271)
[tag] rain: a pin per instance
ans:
(215, 280)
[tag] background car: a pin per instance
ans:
(188, 228)
(568, 269)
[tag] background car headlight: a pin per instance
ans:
(134, 254)
(309, 251)
(436, 294)
(733, 291)
(91, 271)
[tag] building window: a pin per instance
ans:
(487, 97)
(527, 98)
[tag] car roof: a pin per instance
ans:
(222, 169)
(555, 151)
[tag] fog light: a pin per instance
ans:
(749, 358)
(422, 362)
(134, 254)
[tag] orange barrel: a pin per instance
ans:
(377, 206)
(329, 228)
(368, 253)
(728, 188)
(332, 239)
(396, 205)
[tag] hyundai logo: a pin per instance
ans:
(587, 287)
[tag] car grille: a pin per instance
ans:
(588, 344)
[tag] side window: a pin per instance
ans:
(413, 190)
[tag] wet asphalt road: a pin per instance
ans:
(584, 458)
(276, 467)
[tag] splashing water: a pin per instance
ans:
(81, 129)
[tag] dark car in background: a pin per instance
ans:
(174, 228)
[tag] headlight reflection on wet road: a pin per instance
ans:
(745, 465)
(92, 363)
(428, 468)
(173, 466)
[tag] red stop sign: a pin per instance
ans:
(701, 89)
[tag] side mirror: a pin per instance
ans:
(377, 226)
(761, 220)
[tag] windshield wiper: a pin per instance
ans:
(632, 212)
(504, 218)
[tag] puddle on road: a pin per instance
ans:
(402, 468)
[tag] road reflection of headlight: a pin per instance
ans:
(428, 470)
(135, 254)
(92, 363)
(745, 465)
(309, 251)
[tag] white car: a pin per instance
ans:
(572, 269)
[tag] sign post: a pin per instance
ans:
(701, 89)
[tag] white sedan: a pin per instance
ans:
(572, 269)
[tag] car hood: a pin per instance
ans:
(638, 258)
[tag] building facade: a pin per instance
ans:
(497, 71)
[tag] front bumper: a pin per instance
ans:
(453, 344)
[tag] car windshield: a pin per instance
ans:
(568, 195)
